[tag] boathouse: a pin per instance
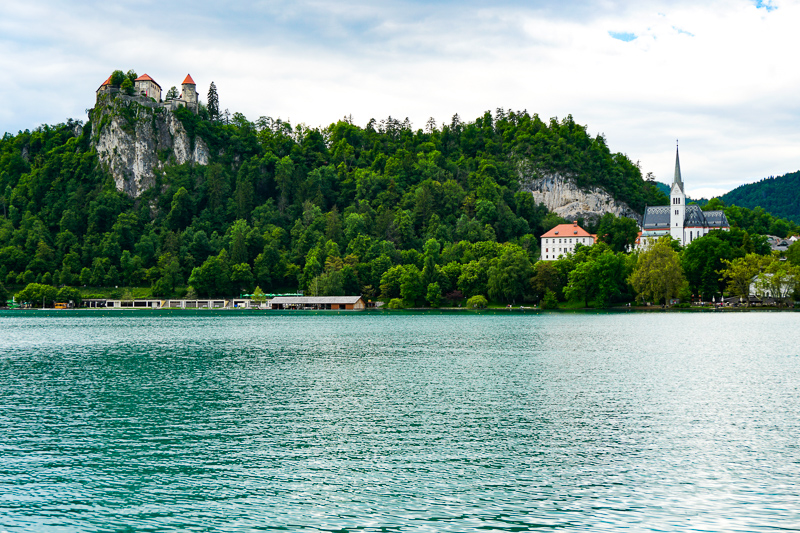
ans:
(318, 302)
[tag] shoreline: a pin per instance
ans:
(422, 310)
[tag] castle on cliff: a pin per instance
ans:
(147, 87)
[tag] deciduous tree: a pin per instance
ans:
(658, 274)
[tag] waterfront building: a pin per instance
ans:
(317, 302)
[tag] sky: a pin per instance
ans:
(721, 77)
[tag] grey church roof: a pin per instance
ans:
(716, 219)
(694, 216)
(656, 217)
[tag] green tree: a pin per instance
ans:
(180, 214)
(37, 294)
(510, 276)
(172, 94)
(412, 288)
(258, 297)
(658, 274)
(86, 276)
(549, 301)
(213, 102)
(477, 302)
(117, 77)
(581, 283)
(434, 295)
(793, 253)
(619, 233)
(69, 295)
(778, 278)
(740, 274)
(127, 86)
(391, 280)
(702, 260)
(241, 277)
(212, 278)
(546, 277)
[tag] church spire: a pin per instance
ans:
(677, 179)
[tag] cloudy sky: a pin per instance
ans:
(722, 77)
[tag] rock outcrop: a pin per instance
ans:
(565, 198)
(135, 138)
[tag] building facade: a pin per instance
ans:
(562, 240)
(684, 223)
(147, 87)
(144, 85)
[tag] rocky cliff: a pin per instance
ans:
(562, 196)
(135, 137)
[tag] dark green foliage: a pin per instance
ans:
(619, 233)
(37, 295)
(756, 221)
(384, 210)
(779, 196)
(213, 102)
(117, 77)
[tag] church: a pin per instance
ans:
(685, 223)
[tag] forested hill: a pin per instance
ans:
(280, 206)
(779, 196)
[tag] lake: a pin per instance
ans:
(498, 421)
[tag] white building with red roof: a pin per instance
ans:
(562, 240)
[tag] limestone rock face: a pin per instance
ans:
(562, 196)
(135, 138)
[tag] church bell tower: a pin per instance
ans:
(677, 214)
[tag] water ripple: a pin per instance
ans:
(405, 422)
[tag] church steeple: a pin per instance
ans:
(677, 181)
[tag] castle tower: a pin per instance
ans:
(677, 214)
(189, 92)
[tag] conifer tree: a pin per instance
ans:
(213, 102)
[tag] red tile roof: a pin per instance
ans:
(145, 77)
(568, 230)
(188, 80)
(107, 82)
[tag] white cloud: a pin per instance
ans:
(718, 76)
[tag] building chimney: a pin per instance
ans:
(574, 222)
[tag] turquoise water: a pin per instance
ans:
(155, 421)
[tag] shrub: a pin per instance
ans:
(549, 301)
(477, 302)
(396, 303)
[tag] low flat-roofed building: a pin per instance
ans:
(317, 302)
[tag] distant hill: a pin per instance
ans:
(663, 187)
(779, 196)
